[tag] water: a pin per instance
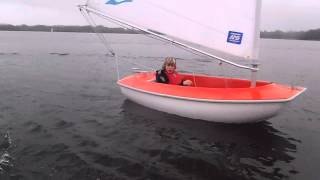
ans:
(62, 115)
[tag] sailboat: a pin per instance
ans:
(230, 26)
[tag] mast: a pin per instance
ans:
(256, 43)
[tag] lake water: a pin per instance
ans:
(62, 115)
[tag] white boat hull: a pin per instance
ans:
(220, 111)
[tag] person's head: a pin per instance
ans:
(169, 64)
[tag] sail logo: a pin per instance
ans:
(234, 37)
(116, 2)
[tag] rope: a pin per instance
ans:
(194, 79)
(102, 38)
(106, 44)
(117, 67)
(226, 84)
(100, 35)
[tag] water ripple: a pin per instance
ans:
(5, 157)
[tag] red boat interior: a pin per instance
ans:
(218, 82)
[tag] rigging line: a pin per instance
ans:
(148, 67)
(169, 39)
(103, 17)
(117, 66)
(148, 35)
(102, 39)
(226, 82)
(105, 43)
(100, 36)
(156, 38)
(194, 79)
(113, 54)
(122, 25)
(86, 16)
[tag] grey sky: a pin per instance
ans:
(276, 14)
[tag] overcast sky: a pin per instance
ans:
(276, 14)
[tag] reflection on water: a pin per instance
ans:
(142, 143)
(203, 150)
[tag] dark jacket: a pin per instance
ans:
(161, 76)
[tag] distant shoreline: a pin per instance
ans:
(313, 34)
(60, 28)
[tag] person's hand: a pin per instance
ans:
(187, 83)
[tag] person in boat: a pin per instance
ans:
(169, 75)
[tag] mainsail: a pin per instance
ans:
(230, 26)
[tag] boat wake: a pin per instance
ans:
(5, 158)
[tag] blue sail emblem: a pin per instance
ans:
(234, 37)
(116, 2)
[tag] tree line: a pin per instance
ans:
(313, 34)
(61, 28)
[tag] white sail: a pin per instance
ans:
(231, 26)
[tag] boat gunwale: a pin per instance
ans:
(215, 101)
